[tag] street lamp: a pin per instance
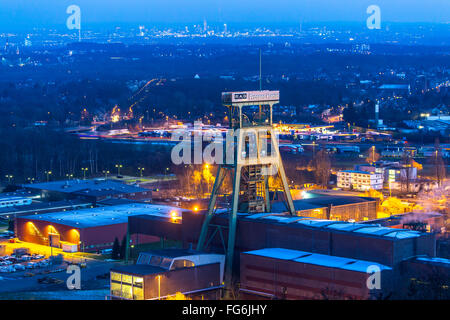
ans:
(141, 169)
(106, 172)
(30, 180)
(69, 176)
(159, 286)
(84, 172)
(48, 173)
(9, 176)
(165, 172)
(118, 166)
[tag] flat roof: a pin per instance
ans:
(102, 216)
(43, 206)
(12, 198)
(320, 201)
(404, 218)
(317, 259)
(138, 269)
(299, 205)
(357, 171)
(435, 260)
(87, 187)
(343, 226)
(394, 86)
(174, 252)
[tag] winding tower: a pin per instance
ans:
(252, 157)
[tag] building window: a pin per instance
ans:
(127, 286)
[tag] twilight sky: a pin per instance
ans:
(19, 14)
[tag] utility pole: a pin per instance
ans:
(260, 71)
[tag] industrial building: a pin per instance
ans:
(92, 190)
(278, 273)
(90, 229)
(159, 274)
(392, 171)
(338, 250)
(341, 208)
(14, 201)
(299, 252)
(43, 207)
(426, 221)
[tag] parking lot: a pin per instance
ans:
(41, 268)
(17, 263)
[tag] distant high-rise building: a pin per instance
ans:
(205, 26)
(6, 45)
(225, 28)
(27, 41)
(141, 31)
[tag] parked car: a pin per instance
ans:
(19, 267)
(7, 269)
(106, 251)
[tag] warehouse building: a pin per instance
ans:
(338, 253)
(359, 241)
(278, 273)
(43, 207)
(159, 274)
(341, 208)
(90, 229)
(93, 190)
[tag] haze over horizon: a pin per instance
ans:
(23, 14)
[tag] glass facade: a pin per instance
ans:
(127, 286)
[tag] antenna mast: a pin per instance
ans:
(260, 74)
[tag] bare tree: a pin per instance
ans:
(407, 162)
(372, 155)
(438, 162)
(321, 165)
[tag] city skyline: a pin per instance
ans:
(18, 15)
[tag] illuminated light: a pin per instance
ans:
(174, 216)
(52, 230)
(196, 209)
